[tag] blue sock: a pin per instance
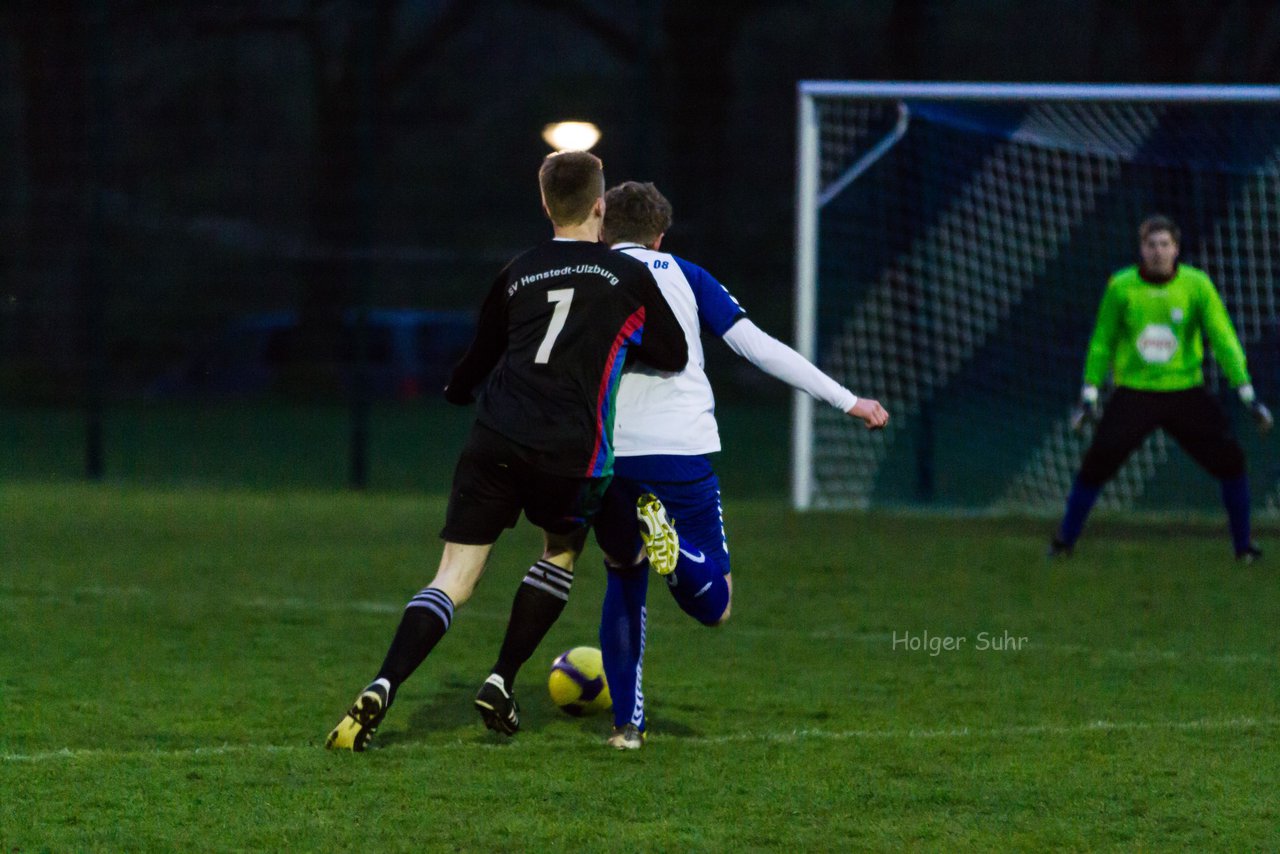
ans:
(622, 629)
(700, 589)
(1079, 502)
(1235, 497)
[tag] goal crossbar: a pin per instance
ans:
(1172, 92)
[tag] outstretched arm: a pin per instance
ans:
(777, 359)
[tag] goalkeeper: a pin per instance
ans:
(1150, 332)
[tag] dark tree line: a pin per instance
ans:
(676, 68)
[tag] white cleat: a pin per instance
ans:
(627, 737)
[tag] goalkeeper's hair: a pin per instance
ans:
(635, 212)
(1159, 222)
(570, 181)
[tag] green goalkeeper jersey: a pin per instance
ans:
(1153, 334)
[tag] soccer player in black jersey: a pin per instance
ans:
(550, 343)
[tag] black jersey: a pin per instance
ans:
(551, 340)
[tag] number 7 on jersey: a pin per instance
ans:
(561, 297)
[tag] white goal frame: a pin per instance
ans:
(810, 198)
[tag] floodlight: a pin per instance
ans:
(571, 136)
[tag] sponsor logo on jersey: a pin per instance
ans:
(1176, 315)
(1157, 344)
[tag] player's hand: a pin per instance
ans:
(1083, 413)
(1261, 417)
(1086, 409)
(871, 413)
(1257, 409)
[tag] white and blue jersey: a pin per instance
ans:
(674, 414)
(665, 423)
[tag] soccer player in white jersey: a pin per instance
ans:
(664, 495)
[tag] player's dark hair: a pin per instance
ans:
(1159, 222)
(571, 181)
(635, 212)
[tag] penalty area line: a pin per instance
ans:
(793, 736)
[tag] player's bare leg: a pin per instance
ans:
(460, 569)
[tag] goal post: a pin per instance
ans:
(952, 243)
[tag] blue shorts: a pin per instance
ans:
(693, 505)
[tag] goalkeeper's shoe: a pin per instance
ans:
(1252, 554)
(361, 721)
(629, 737)
(658, 533)
(496, 705)
(1058, 549)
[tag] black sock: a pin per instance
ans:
(425, 620)
(538, 604)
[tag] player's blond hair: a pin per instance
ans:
(570, 181)
(635, 212)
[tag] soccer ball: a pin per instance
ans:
(577, 682)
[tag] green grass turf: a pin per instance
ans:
(171, 660)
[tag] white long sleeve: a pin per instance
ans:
(773, 357)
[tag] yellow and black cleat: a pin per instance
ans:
(360, 722)
(658, 532)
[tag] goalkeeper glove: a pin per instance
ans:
(1086, 410)
(1257, 409)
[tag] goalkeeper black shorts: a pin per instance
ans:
(1191, 417)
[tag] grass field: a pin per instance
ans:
(171, 660)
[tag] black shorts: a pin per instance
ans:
(1191, 417)
(495, 479)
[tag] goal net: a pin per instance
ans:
(953, 243)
